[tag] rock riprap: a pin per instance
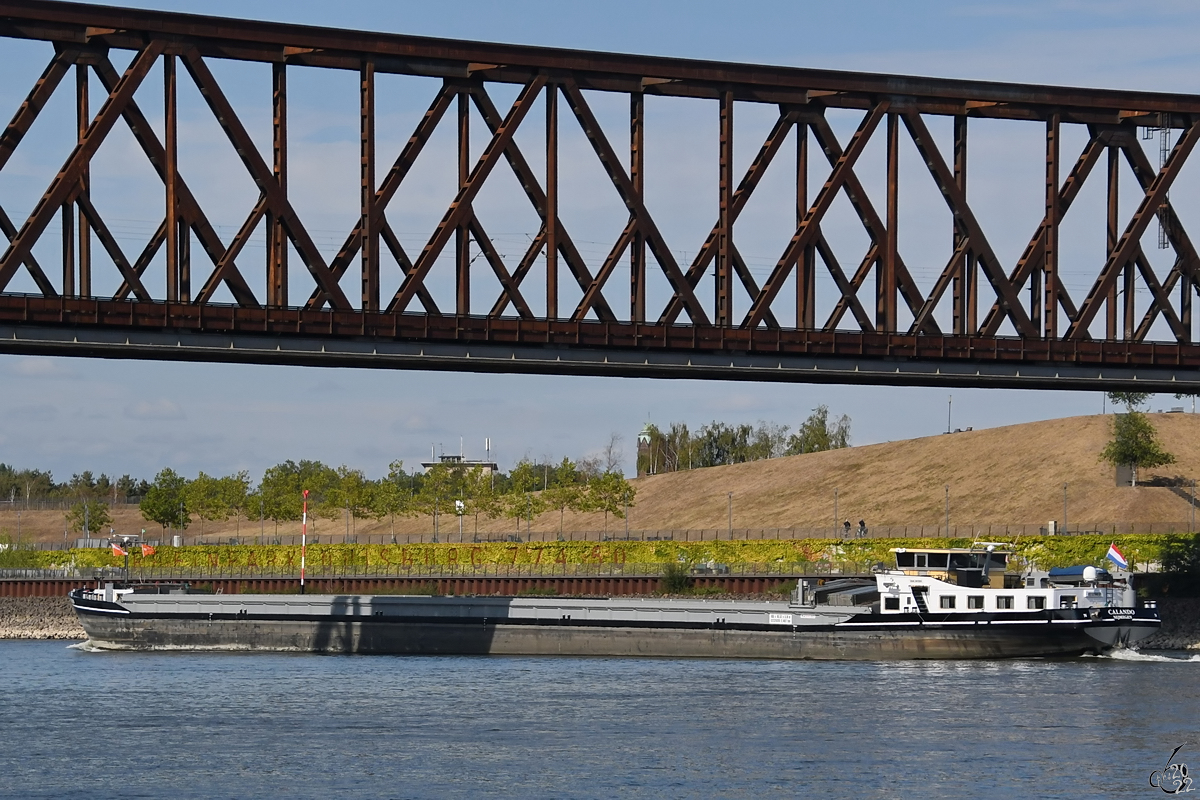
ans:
(1180, 625)
(38, 618)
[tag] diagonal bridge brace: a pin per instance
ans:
(633, 202)
(537, 197)
(957, 201)
(1128, 245)
(273, 195)
(460, 208)
(807, 231)
(67, 184)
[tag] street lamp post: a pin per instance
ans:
(835, 509)
(731, 515)
(625, 497)
(1064, 508)
(947, 509)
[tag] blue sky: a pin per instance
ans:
(117, 416)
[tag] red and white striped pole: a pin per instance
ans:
(303, 539)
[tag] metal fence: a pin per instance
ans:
(988, 532)
(64, 503)
(782, 570)
(1001, 533)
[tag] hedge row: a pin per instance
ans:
(1046, 552)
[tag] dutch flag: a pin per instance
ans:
(1115, 556)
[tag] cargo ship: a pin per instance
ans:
(953, 603)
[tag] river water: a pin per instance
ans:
(184, 725)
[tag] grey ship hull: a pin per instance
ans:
(568, 627)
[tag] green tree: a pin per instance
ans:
(480, 496)
(439, 489)
(392, 496)
(126, 486)
(769, 440)
(566, 491)
(25, 484)
(1135, 444)
(163, 499)
(89, 516)
(205, 498)
(83, 484)
(571, 495)
(1131, 400)
(283, 486)
(351, 492)
(819, 433)
(235, 494)
(610, 493)
(520, 502)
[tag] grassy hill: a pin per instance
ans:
(1008, 475)
(1013, 474)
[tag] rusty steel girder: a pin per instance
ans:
(1101, 340)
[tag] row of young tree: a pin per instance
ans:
(718, 443)
(445, 489)
(35, 484)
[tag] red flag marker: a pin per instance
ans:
(119, 551)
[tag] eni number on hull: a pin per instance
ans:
(935, 603)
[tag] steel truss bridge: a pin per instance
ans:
(980, 322)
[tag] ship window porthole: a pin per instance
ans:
(1004, 602)
(1037, 602)
(891, 603)
(947, 602)
(975, 601)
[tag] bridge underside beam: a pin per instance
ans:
(722, 304)
(229, 334)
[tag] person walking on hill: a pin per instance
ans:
(862, 529)
(846, 528)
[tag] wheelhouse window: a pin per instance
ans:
(1004, 601)
(904, 560)
(947, 601)
(922, 560)
(891, 603)
(975, 601)
(1037, 603)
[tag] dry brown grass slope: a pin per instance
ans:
(1010, 475)
(1013, 474)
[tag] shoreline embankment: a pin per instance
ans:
(53, 618)
(38, 618)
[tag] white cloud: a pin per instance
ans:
(40, 367)
(160, 409)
